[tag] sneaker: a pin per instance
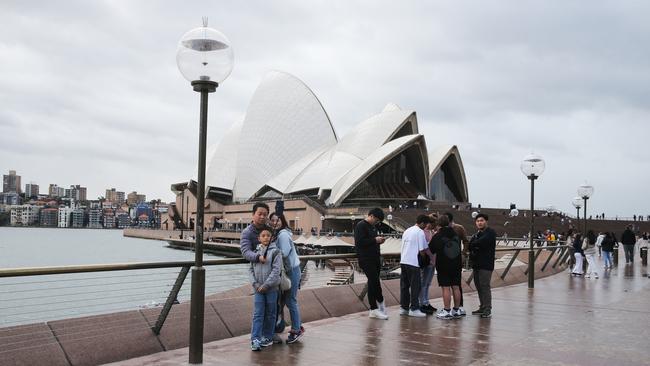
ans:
(462, 312)
(455, 313)
(377, 314)
(588, 276)
(444, 314)
(256, 345)
(596, 276)
(265, 342)
(294, 336)
(427, 309)
(382, 306)
(478, 311)
(277, 339)
(487, 313)
(417, 314)
(403, 311)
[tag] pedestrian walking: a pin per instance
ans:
(608, 248)
(578, 254)
(589, 248)
(628, 239)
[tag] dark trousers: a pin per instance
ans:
(372, 267)
(409, 287)
(482, 278)
(629, 252)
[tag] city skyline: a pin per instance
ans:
(97, 97)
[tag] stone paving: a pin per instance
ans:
(564, 321)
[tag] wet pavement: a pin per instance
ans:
(565, 320)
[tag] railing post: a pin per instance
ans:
(171, 299)
(548, 259)
(512, 260)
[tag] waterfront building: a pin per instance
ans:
(78, 218)
(11, 199)
(31, 190)
(134, 198)
(123, 219)
(49, 217)
(109, 218)
(24, 215)
(11, 182)
(95, 218)
(65, 217)
(114, 196)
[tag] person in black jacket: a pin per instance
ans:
(445, 244)
(579, 254)
(608, 248)
(366, 243)
(628, 239)
(482, 248)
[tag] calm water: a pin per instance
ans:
(42, 298)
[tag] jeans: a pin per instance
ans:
(372, 267)
(292, 298)
(427, 278)
(608, 258)
(409, 287)
(482, 278)
(264, 313)
(629, 253)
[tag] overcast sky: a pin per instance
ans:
(90, 93)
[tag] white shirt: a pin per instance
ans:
(413, 241)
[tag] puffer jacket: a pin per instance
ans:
(267, 274)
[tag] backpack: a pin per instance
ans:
(451, 247)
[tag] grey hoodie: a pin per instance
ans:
(266, 274)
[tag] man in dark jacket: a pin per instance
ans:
(628, 239)
(250, 236)
(482, 248)
(366, 243)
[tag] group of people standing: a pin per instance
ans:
(435, 244)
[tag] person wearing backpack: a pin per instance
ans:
(445, 244)
(482, 248)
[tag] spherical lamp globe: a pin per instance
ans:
(204, 54)
(533, 166)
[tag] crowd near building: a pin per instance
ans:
(70, 207)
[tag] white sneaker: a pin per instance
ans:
(596, 276)
(382, 306)
(455, 313)
(417, 314)
(461, 311)
(444, 314)
(588, 276)
(377, 314)
(403, 311)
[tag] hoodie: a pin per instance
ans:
(267, 274)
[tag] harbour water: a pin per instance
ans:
(43, 298)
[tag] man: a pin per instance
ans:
(462, 234)
(250, 236)
(427, 271)
(366, 243)
(628, 239)
(414, 244)
(482, 248)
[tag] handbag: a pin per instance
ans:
(285, 282)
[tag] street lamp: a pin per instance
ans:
(577, 203)
(532, 166)
(322, 223)
(585, 191)
(204, 57)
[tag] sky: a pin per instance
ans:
(91, 94)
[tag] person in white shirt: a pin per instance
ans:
(414, 244)
(599, 243)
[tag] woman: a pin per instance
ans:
(577, 253)
(589, 247)
(607, 246)
(284, 242)
(445, 244)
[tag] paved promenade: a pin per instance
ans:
(564, 321)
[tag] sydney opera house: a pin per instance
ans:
(287, 148)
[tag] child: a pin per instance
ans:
(265, 278)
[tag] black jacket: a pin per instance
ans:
(364, 240)
(443, 264)
(628, 237)
(608, 244)
(482, 246)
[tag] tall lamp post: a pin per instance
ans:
(532, 166)
(585, 191)
(577, 203)
(204, 57)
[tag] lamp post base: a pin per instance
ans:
(196, 315)
(531, 269)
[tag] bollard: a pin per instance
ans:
(644, 256)
(615, 254)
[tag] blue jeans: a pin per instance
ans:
(292, 298)
(608, 258)
(427, 277)
(264, 312)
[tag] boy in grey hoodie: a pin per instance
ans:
(265, 278)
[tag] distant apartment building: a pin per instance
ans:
(123, 220)
(78, 218)
(11, 198)
(11, 182)
(95, 218)
(115, 196)
(56, 191)
(50, 217)
(109, 218)
(135, 198)
(31, 190)
(24, 215)
(76, 192)
(65, 217)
